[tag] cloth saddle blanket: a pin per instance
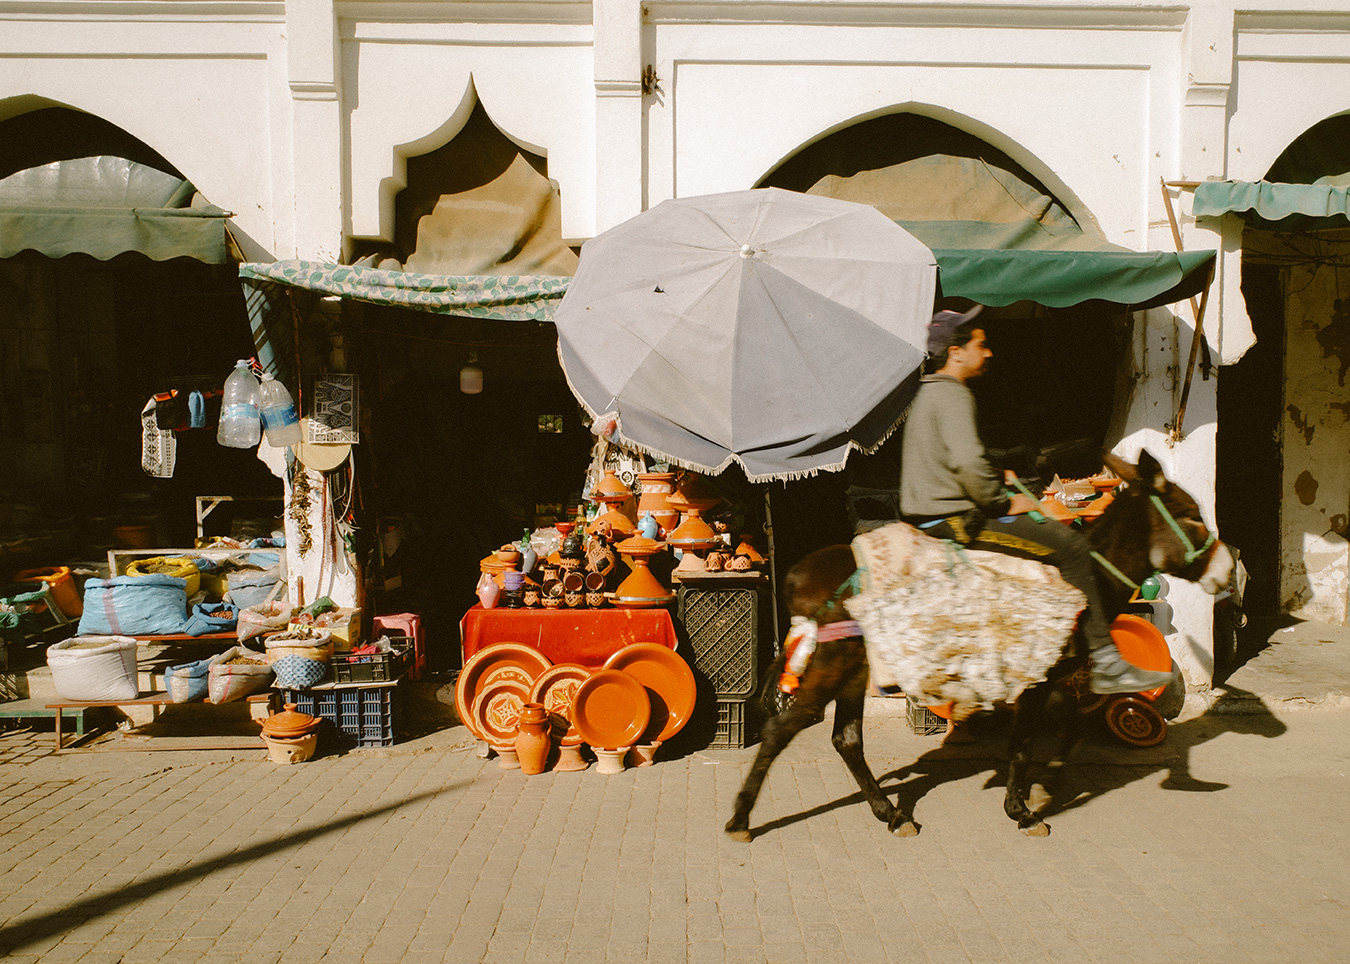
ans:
(953, 625)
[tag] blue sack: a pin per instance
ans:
(187, 682)
(201, 622)
(150, 605)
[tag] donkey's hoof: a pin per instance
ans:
(744, 836)
(1037, 829)
(907, 829)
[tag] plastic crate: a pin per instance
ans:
(722, 626)
(375, 668)
(923, 720)
(365, 715)
(735, 724)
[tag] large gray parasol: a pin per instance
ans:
(774, 329)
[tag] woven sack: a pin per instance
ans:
(188, 682)
(297, 672)
(306, 641)
(262, 619)
(250, 587)
(180, 568)
(94, 669)
(134, 606)
(227, 681)
(201, 622)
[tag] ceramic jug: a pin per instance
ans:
(534, 738)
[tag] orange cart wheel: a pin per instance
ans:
(1135, 721)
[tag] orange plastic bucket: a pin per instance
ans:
(62, 586)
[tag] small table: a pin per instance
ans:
(585, 636)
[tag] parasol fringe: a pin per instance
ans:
(618, 438)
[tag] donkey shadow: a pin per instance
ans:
(984, 751)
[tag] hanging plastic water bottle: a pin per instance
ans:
(279, 418)
(239, 425)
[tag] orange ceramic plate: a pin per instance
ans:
(611, 709)
(496, 710)
(526, 660)
(669, 682)
(1143, 644)
(556, 688)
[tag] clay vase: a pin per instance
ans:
(534, 738)
(653, 489)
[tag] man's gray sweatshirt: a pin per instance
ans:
(945, 470)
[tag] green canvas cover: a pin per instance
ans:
(1270, 205)
(105, 206)
(999, 240)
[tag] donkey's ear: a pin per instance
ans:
(1151, 473)
(1119, 466)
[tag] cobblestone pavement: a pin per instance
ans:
(1228, 843)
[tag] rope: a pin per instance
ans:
(850, 585)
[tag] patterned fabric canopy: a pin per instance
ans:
(481, 296)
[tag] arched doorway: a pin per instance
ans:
(1047, 404)
(90, 330)
(1284, 408)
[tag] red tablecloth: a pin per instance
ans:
(585, 636)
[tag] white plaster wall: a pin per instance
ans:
(1315, 437)
(1159, 348)
(409, 88)
(1092, 111)
(200, 93)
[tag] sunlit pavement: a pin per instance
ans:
(1227, 843)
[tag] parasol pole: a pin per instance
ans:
(773, 566)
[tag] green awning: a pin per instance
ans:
(999, 239)
(504, 298)
(106, 206)
(1277, 206)
(1058, 279)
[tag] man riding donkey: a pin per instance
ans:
(947, 623)
(950, 490)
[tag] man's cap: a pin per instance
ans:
(941, 328)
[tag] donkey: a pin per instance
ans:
(1151, 526)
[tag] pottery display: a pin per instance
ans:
(611, 710)
(556, 689)
(524, 661)
(293, 749)
(496, 710)
(290, 736)
(641, 588)
(653, 490)
(616, 498)
(670, 685)
(643, 754)
(533, 738)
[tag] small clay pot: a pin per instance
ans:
(531, 597)
(551, 602)
(596, 599)
(574, 600)
(714, 561)
(508, 553)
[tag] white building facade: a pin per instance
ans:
(299, 118)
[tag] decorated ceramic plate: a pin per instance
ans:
(524, 663)
(1143, 644)
(496, 710)
(611, 709)
(669, 682)
(556, 687)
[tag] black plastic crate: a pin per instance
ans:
(375, 668)
(365, 715)
(923, 720)
(736, 724)
(722, 626)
